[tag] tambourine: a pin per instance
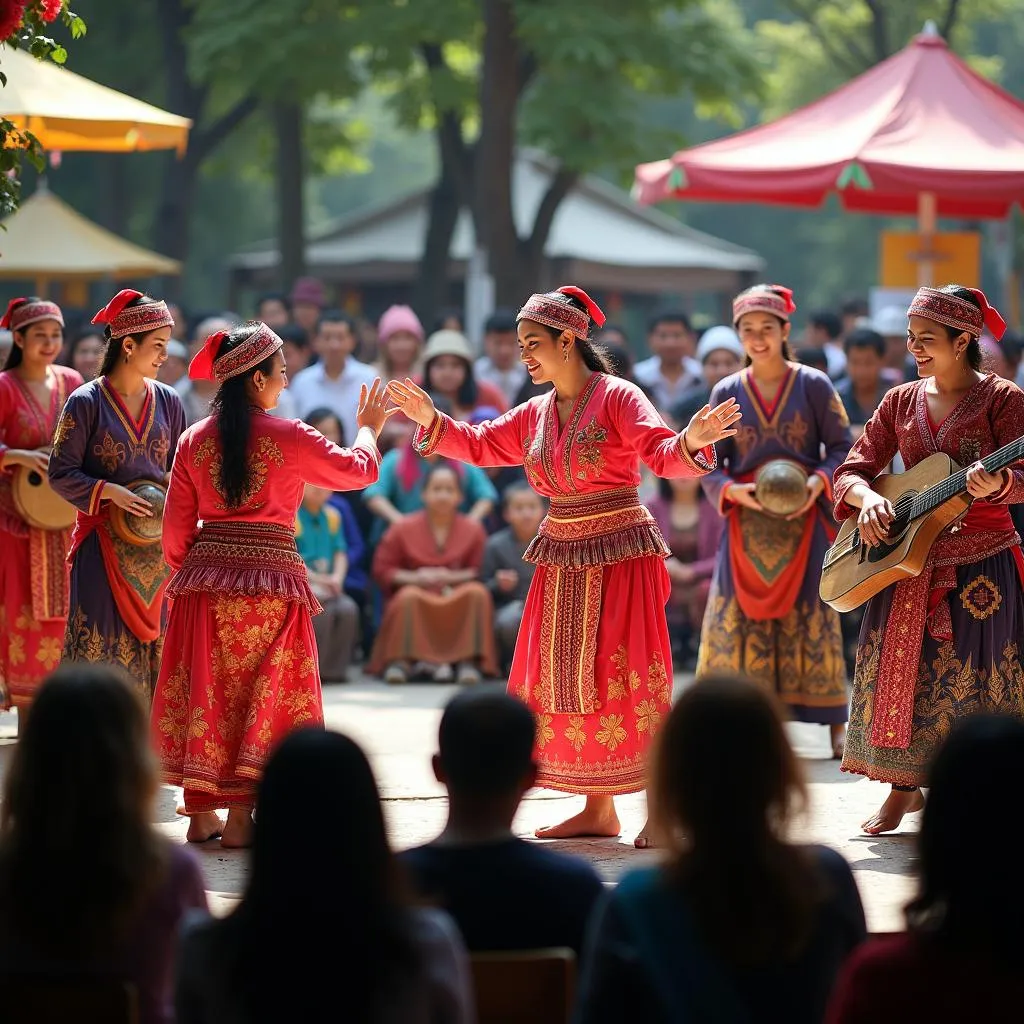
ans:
(142, 531)
(38, 503)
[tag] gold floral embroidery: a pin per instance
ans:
(159, 448)
(544, 731)
(588, 449)
(532, 460)
(794, 432)
(65, 426)
(839, 410)
(574, 732)
(657, 679)
(981, 597)
(49, 652)
(647, 717)
(617, 683)
(25, 619)
(266, 452)
(746, 438)
(611, 733)
(111, 453)
(16, 649)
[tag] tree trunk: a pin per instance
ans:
(431, 289)
(172, 218)
(291, 180)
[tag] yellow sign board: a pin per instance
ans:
(955, 258)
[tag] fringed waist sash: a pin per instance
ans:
(577, 539)
(596, 529)
(254, 559)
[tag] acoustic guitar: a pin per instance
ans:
(926, 500)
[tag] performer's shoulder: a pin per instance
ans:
(165, 392)
(1002, 386)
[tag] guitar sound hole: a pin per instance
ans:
(895, 535)
(34, 478)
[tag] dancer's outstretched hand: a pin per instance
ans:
(373, 408)
(413, 401)
(710, 425)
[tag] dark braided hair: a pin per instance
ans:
(115, 346)
(594, 356)
(15, 356)
(973, 346)
(231, 407)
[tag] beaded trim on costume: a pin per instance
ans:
(141, 319)
(950, 310)
(557, 315)
(259, 346)
(33, 312)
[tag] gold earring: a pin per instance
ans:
(565, 353)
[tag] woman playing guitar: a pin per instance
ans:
(945, 644)
(33, 572)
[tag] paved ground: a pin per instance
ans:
(398, 727)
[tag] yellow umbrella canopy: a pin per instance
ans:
(46, 240)
(68, 112)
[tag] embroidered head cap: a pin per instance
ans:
(261, 344)
(123, 319)
(764, 298)
(556, 310)
(22, 312)
(960, 314)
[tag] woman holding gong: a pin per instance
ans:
(33, 567)
(764, 617)
(116, 431)
(948, 643)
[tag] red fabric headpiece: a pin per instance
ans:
(123, 319)
(260, 345)
(960, 314)
(21, 313)
(764, 298)
(561, 316)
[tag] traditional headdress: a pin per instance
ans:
(764, 298)
(207, 365)
(560, 314)
(20, 316)
(142, 318)
(960, 314)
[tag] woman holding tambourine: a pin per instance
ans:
(33, 571)
(111, 456)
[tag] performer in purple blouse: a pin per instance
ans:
(114, 431)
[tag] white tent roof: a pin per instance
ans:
(598, 230)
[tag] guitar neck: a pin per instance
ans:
(956, 483)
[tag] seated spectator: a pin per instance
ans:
(720, 355)
(448, 372)
(400, 344)
(500, 365)
(824, 332)
(505, 893)
(295, 348)
(274, 309)
(738, 924)
(399, 487)
(87, 885)
(960, 958)
(672, 370)
(504, 572)
(85, 353)
(308, 299)
(320, 539)
(693, 532)
(865, 383)
(325, 930)
(438, 613)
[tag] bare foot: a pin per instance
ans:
(238, 830)
(837, 734)
(204, 826)
(598, 818)
(645, 838)
(890, 814)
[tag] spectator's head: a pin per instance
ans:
(85, 352)
(76, 845)
(754, 896)
(297, 352)
(37, 328)
(176, 365)
(971, 898)
(1011, 348)
(308, 298)
(891, 324)
(761, 316)
(501, 343)
(400, 341)
(811, 356)
(720, 354)
(207, 326)
(850, 311)
(448, 368)
(274, 310)
(179, 320)
(523, 509)
(314, 498)
(442, 490)
(449, 319)
(823, 327)
(328, 423)
(335, 340)
(865, 357)
(485, 755)
(670, 337)
(612, 337)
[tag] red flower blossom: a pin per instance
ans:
(51, 8)
(11, 13)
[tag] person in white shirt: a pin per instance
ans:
(672, 369)
(335, 380)
(500, 364)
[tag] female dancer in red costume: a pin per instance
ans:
(593, 659)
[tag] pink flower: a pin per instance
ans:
(11, 13)
(51, 9)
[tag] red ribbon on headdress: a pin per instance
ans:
(992, 317)
(201, 367)
(593, 309)
(6, 322)
(787, 294)
(114, 307)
